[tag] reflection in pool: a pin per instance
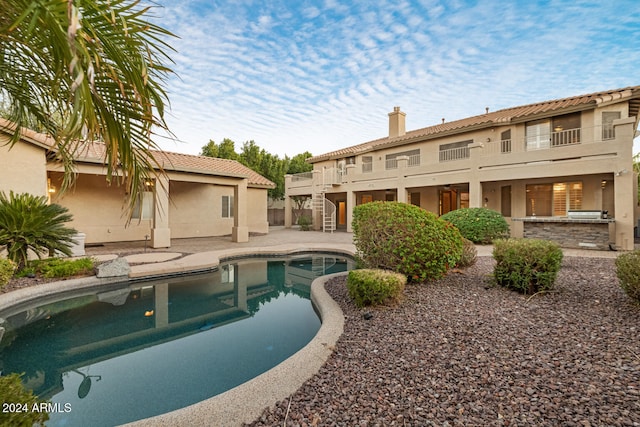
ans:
(127, 353)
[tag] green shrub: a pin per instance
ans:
(405, 239)
(526, 265)
(628, 272)
(13, 392)
(480, 225)
(7, 268)
(469, 254)
(304, 221)
(29, 222)
(374, 287)
(58, 267)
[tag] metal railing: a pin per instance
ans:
(454, 154)
(505, 146)
(565, 137)
(304, 176)
(391, 163)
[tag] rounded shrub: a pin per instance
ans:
(528, 266)
(406, 239)
(22, 414)
(375, 287)
(469, 254)
(480, 225)
(7, 268)
(628, 272)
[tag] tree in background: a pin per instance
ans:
(87, 70)
(225, 150)
(259, 160)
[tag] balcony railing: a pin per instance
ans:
(454, 154)
(565, 137)
(305, 176)
(505, 146)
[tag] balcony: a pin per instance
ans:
(560, 138)
(452, 154)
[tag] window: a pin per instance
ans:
(455, 151)
(392, 159)
(505, 141)
(608, 131)
(144, 206)
(553, 199)
(367, 164)
(367, 198)
(228, 274)
(227, 206)
(538, 134)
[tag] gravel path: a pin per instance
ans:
(459, 352)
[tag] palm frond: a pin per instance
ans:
(88, 70)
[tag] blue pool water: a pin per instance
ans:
(129, 352)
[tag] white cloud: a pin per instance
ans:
(318, 77)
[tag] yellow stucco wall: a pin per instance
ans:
(22, 168)
(98, 210)
(195, 210)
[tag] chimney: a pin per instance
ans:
(396, 123)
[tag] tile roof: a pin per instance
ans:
(177, 162)
(495, 118)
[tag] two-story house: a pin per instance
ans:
(541, 165)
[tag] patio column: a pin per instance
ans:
(401, 191)
(476, 199)
(161, 233)
(624, 184)
(240, 231)
(351, 204)
(287, 212)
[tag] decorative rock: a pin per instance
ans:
(116, 268)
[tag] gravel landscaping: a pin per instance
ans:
(461, 352)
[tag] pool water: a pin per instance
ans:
(134, 351)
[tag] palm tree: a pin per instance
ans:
(87, 70)
(29, 223)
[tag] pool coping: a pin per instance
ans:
(246, 402)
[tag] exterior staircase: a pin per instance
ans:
(327, 210)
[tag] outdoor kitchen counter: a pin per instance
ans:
(578, 233)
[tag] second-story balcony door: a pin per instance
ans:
(538, 135)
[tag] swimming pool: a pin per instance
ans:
(148, 348)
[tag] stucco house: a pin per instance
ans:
(196, 197)
(559, 169)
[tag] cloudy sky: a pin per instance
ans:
(315, 76)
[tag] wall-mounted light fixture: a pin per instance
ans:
(622, 172)
(50, 187)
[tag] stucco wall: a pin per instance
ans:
(257, 211)
(195, 210)
(98, 210)
(22, 168)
